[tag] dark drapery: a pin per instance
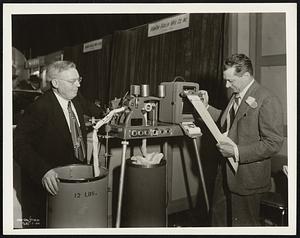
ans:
(131, 57)
(94, 67)
(195, 53)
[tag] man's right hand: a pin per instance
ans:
(49, 182)
(204, 97)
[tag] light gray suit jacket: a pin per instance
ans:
(258, 132)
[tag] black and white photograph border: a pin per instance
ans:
(290, 11)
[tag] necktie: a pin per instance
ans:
(232, 111)
(234, 107)
(236, 102)
(78, 143)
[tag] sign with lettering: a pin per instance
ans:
(92, 45)
(170, 24)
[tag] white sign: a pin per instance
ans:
(92, 45)
(170, 24)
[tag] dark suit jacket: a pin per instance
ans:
(42, 139)
(258, 132)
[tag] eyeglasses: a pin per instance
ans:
(73, 81)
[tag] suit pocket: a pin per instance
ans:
(255, 175)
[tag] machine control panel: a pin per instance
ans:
(139, 132)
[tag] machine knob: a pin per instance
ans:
(148, 107)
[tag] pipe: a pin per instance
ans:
(201, 173)
(121, 186)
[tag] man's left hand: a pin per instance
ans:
(226, 148)
(50, 182)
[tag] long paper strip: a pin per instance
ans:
(100, 123)
(200, 108)
(95, 154)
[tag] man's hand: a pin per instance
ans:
(49, 182)
(204, 97)
(226, 147)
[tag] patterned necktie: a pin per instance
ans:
(78, 143)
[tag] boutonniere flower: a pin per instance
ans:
(251, 102)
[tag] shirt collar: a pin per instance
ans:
(243, 92)
(63, 102)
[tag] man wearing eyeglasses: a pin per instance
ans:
(44, 137)
(253, 132)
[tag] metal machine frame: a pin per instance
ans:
(127, 128)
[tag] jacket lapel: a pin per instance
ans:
(244, 107)
(60, 119)
(224, 115)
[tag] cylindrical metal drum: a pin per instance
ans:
(161, 91)
(81, 200)
(145, 200)
(135, 90)
(144, 90)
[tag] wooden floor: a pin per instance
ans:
(188, 218)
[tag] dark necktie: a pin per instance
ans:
(232, 112)
(231, 115)
(234, 107)
(78, 143)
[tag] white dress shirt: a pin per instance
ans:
(64, 105)
(243, 92)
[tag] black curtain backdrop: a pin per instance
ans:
(39, 34)
(131, 57)
(195, 53)
(94, 67)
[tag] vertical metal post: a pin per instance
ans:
(124, 143)
(106, 151)
(201, 173)
(165, 151)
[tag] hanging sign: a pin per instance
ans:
(170, 24)
(92, 45)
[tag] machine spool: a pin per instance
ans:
(161, 91)
(81, 201)
(135, 90)
(145, 90)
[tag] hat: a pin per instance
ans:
(34, 79)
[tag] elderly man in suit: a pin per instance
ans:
(44, 137)
(253, 127)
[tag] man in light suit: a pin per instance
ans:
(42, 139)
(253, 134)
